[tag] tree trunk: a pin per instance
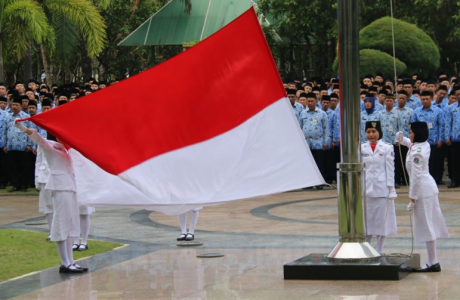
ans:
(46, 66)
(2, 76)
(28, 66)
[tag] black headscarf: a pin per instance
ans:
(420, 130)
(376, 125)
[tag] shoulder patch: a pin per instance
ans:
(417, 159)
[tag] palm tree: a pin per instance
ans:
(22, 21)
(72, 19)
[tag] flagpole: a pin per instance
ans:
(352, 244)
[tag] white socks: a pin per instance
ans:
(182, 219)
(62, 249)
(65, 252)
(49, 219)
(380, 243)
(432, 255)
(84, 229)
(369, 238)
(69, 250)
(193, 221)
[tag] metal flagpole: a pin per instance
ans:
(352, 244)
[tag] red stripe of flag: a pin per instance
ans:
(197, 95)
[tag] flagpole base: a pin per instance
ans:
(353, 251)
(317, 266)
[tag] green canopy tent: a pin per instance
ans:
(171, 25)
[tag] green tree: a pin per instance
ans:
(310, 25)
(21, 21)
(413, 46)
(122, 18)
(373, 61)
(72, 19)
(439, 19)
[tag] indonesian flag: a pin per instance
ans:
(210, 125)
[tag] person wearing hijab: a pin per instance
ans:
(429, 224)
(368, 114)
(378, 158)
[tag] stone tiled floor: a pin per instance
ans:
(257, 237)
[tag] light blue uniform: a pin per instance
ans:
(13, 138)
(389, 124)
(433, 118)
(336, 128)
(297, 107)
(315, 128)
(452, 124)
(330, 117)
(413, 102)
(404, 118)
(3, 115)
(365, 117)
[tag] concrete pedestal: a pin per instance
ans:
(318, 266)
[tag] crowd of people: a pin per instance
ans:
(17, 160)
(316, 105)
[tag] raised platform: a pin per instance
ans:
(317, 266)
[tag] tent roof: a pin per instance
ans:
(172, 26)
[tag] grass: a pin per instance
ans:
(23, 252)
(30, 191)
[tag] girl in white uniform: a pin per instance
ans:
(42, 173)
(62, 184)
(378, 158)
(429, 224)
(190, 235)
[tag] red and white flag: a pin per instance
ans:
(210, 125)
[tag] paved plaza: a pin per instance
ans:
(256, 236)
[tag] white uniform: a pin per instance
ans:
(66, 222)
(379, 166)
(429, 223)
(42, 173)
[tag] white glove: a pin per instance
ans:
(411, 206)
(399, 137)
(37, 186)
(19, 126)
(392, 195)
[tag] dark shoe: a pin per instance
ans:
(319, 187)
(440, 182)
(308, 188)
(75, 247)
(406, 268)
(433, 268)
(80, 267)
(13, 190)
(189, 237)
(397, 186)
(453, 185)
(69, 269)
(182, 237)
(82, 247)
